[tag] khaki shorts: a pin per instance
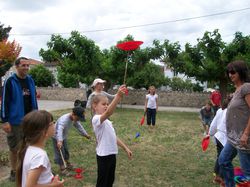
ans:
(14, 138)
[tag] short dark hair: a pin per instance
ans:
(241, 68)
(18, 61)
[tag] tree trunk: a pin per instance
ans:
(223, 87)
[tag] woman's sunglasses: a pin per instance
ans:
(232, 72)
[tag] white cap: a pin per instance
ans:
(96, 81)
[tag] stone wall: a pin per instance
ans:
(166, 98)
(62, 94)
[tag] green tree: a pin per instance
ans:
(9, 51)
(207, 60)
(42, 76)
(115, 61)
(168, 53)
(79, 58)
(4, 32)
(150, 74)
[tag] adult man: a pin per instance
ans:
(18, 99)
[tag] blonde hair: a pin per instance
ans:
(151, 87)
(95, 100)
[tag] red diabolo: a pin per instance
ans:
(129, 46)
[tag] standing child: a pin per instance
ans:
(151, 106)
(107, 141)
(60, 139)
(34, 168)
(206, 116)
(218, 130)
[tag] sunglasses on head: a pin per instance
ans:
(232, 72)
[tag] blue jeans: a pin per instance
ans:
(225, 160)
(226, 157)
(57, 155)
(245, 163)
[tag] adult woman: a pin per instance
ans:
(237, 124)
(98, 86)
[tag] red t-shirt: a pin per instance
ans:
(216, 98)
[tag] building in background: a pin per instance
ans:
(52, 67)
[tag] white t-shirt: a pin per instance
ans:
(218, 126)
(151, 101)
(34, 158)
(105, 137)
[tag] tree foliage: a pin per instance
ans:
(42, 76)
(207, 60)
(79, 58)
(4, 32)
(9, 51)
(138, 66)
(150, 74)
(168, 53)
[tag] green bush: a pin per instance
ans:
(42, 76)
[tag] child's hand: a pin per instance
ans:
(6, 127)
(129, 153)
(57, 182)
(122, 90)
(59, 144)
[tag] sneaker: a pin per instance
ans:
(65, 172)
(12, 177)
(70, 166)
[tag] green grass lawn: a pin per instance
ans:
(169, 155)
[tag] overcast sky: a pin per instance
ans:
(33, 21)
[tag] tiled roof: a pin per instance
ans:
(34, 62)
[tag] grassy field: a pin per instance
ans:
(169, 155)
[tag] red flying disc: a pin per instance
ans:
(129, 46)
(205, 143)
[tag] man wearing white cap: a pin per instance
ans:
(98, 86)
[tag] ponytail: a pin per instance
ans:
(20, 157)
